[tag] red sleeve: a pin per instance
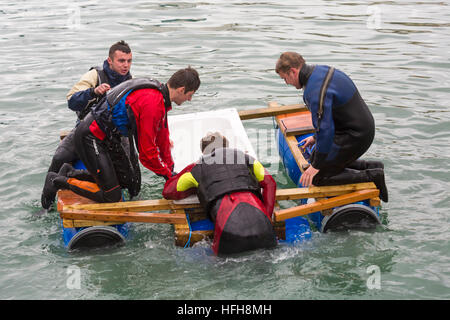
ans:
(163, 140)
(269, 192)
(170, 188)
(149, 111)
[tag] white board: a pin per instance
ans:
(186, 131)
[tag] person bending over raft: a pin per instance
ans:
(227, 183)
(344, 125)
(136, 108)
(92, 86)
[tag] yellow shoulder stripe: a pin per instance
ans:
(258, 170)
(186, 182)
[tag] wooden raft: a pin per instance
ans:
(77, 211)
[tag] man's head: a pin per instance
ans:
(288, 67)
(213, 141)
(120, 57)
(183, 84)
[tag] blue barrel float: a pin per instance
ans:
(90, 237)
(359, 215)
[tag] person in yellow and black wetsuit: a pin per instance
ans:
(344, 125)
(228, 184)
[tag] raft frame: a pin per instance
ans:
(77, 211)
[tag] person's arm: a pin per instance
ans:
(268, 185)
(181, 185)
(149, 117)
(165, 145)
(83, 91)
(323, 139)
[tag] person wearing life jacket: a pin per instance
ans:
(84, 94)
(97, 81)
(228, 184)
(344, 125)
(137, 109)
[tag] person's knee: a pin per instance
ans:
(60, 157)
(114, 195)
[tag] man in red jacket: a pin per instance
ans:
(137, 109)
(228, 183)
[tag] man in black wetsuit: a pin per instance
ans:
(88, 91)
(344, 125)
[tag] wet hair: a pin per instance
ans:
(121, 46)
(212, 141)
(187, 78)
(289, 60)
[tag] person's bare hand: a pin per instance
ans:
(102, 89)
(307, 176)
(309, 141)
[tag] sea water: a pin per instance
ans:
(397, 53)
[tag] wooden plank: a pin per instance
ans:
(292, 142)
(181, 229)
(320, 192)
(183, 232)
(68, 223)
(124, 216)
(297, 123)
(133, 206)
(375, 202)
(90, 223)
(68, 198)
(163, 204)
(272, 110)
(325, 204)
(182, 236)
(298, 156)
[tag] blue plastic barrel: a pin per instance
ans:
(94, 236)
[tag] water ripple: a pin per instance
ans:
(395, 51)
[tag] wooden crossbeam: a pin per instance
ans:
(69, 223)
(292, 142)
(124, 216)
(271, 111)
(325, 204)
(298, 156)
(293, 124)
(184, 235)
(132, 206)
(321, 192)
(163, 204)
